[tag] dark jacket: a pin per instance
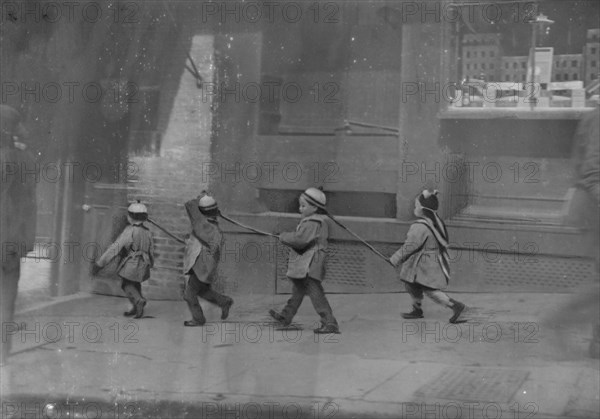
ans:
(203, 246)
(308, 244)
(18, 205)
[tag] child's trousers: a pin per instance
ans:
(194, 289)
(417, 290)
(316, 293)
(133, 290)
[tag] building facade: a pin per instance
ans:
(591, 57)
(482, 59)
(567, 67)
(481, 56)
(514, 69)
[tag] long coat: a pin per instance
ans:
(203, 246)
(308, 244)
(419, 258)
(137, 244)
(18, 207)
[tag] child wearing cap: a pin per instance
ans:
(307, 262)
(424, 258)
(202, 256)
(137, 244)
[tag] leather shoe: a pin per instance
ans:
(225, 309)
(328, 328)
(279, 317)
(193, 323)
(417, 313)
(130, 312)
(457, 308)
(139, 309)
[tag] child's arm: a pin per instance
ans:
(200, 226)
(302, 238)
(125, 239)
(415, 240)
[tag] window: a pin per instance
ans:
(575, 76)
(492, 78)
(506, 78)
(483, 54)
(505, 65)
(475, 66)
(514, 65)
(523, 64)
(564, 64)
(483, 66)
(558, 77)
(492, 54)
(558, 64)
(468, 66)
(592, 50)
(468, 54)
(523, 77)
(593, 76)
(593, 64)
(573, 63)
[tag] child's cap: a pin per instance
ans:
(429, 199)
(137, 208)
(315, 197)
(207, 203)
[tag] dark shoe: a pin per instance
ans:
(139, 309)
(225, 309)
(279, 317)
(130, 312)
(193, 323)
(329, 328)
(417, 313)
(457, 308)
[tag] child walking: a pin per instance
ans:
(202, 256)
(136, 243)
(307, 262)
(424, 258)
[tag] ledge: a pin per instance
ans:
(549, 239)
(523, 113)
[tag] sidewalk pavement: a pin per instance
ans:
(81, 358)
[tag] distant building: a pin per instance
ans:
(514, 69)
(481, 55)
(567, 67)
(591, 56)
(482, 59)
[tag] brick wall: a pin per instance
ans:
(166, 181)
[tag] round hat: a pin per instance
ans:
(137, 208)
(429, 199)
(207, 203)
(315, 197)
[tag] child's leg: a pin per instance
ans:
(416, 293)
(442, 298)
(315, 291)
(205, 291)
(293, 304)
(439, 297)
(131, 290)
(190, 295)
(138, 287)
